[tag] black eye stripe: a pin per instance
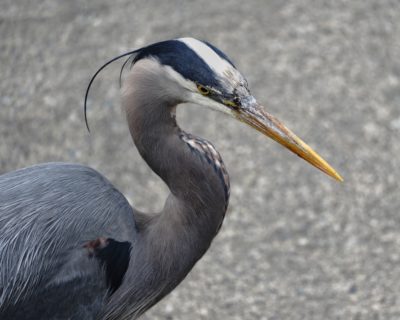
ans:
(182, 59)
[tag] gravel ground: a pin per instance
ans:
(295, 244)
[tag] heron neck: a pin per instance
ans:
(176, 238)
(197, 197)
(171, 242)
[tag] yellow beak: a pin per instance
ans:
(255, 116)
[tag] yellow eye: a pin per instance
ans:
(203, 90)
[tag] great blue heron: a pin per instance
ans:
(71, 246)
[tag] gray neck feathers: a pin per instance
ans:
(177, 237)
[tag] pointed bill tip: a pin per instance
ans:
(307, 153)
(255, 116)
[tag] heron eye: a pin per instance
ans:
(203, 90)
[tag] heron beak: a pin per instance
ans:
(255, 116)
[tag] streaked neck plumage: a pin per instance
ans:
(172, 241)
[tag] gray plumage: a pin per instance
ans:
(49, 212)
(71, 246)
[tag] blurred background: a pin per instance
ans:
(295, 244)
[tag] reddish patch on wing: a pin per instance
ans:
(96, 245)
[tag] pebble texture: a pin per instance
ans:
(295, 244)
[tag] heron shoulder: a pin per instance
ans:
(55, 177)
(65, 196)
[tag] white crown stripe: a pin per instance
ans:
(219, 65)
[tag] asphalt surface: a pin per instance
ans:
(295, 244)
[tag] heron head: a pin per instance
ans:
(204, 75)
(209, 78)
